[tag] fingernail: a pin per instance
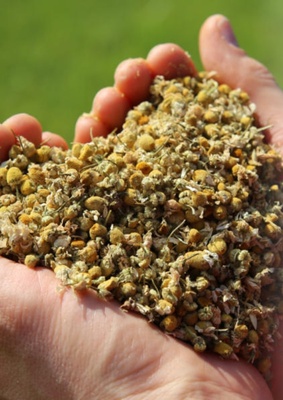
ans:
(227, 32)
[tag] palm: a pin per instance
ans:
(63, 340)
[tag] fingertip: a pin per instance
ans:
(171, 61)
(89, 126)
(8, 139)
(210, 22)
(133, 77)
(52, 139)
(110, 106)
(219, 50)
(218, 24)
(25, 125)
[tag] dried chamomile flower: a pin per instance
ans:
(14, 176)
(178, 217)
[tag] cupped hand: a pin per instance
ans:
(58, 345)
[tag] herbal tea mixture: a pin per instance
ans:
(178, 217)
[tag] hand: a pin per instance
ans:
(55, 346)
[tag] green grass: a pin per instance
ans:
(55, 55)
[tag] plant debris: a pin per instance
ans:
(178, 217)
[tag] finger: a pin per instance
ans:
(109, 110)
(52, 139)
(220, 53)
(132, 81)
(89, 126)
(111, 107)
(171, 61)
(7, 140)
(25, 125)
(133, 78)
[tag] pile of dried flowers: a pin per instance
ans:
(178, 217)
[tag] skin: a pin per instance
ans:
(29, 127)
(58, 345)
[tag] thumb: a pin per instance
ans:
(220, 53)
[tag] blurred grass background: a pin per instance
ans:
(55, 55)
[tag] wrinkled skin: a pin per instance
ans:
(62, 346)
